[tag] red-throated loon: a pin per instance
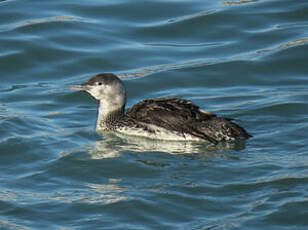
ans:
(160, 118)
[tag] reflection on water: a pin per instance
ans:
(297, 42)
(142, 72)
(239, 2)
(5, 223)
(114, 143)
(192, 16)
(63, 18)
(208, 61)
(107, 193)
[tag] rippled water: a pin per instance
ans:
(245, 59)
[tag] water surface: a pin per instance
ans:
(244, 59)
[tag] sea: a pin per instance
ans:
(240, 59)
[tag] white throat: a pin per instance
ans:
(109, 111)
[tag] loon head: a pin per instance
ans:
(105, 87)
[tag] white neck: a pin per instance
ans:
(109, 113)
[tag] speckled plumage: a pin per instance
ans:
(160, 118)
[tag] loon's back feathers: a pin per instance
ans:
(175, 108)
(183, 116)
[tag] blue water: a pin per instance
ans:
(245, 59)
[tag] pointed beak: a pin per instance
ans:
(80, 87)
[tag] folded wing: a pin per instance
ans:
(183, 116)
